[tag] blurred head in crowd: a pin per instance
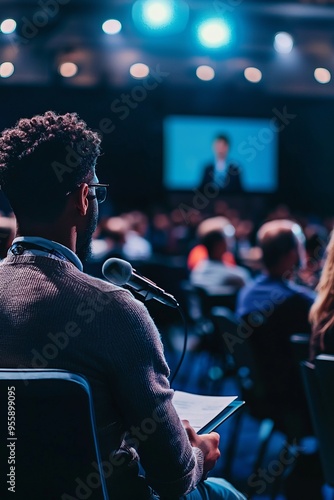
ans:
(214, 242)
(221, 228)
(115, 229)
(282, 245)
(220, 224)
(137, 222)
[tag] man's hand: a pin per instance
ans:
(207, 443)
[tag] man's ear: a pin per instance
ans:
(81, 201)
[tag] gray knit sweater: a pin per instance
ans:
(54, 316)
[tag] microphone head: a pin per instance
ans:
(117, 271)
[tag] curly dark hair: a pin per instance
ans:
(42, 159)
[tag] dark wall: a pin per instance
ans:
(133, 150)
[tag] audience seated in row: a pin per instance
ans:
(274, 308)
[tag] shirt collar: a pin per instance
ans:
(220, 164)
(52, 245)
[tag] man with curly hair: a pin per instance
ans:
(59, 317)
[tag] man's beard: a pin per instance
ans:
(84, 243)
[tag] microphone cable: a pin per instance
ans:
(185, 328)
(121, 273)
(185, 341)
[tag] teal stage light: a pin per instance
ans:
(160, 16)
(214, 33)
(157, 13)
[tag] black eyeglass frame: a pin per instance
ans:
(97, 185)
(103, 189)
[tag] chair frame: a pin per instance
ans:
(39, 393)
(318, 383)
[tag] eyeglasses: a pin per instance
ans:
(100, 191)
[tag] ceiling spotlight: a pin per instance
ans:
(68, 69)
(253, 75)
(283, 42)
(214, 33)
(111, 26)
(322, 75)
(158, 13)
(158, 17)
(8, 26)
(6, 69)
(139, 70)
(205, 73)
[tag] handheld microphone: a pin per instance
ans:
(120, 272)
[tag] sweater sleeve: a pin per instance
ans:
(138, 372)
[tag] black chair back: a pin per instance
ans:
(318, 381)
(300, 343)
(47, 422)
(236, 346)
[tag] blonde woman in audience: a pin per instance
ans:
(322, 312)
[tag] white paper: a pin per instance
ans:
(198, 409)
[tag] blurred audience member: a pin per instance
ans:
(274, 308)
(322, 311)
(281, 211)
(220, 207)
(108, 241)
(243, 234)
(137, 246)
(110, 238)
(283, 251)
(200, 253)
(211, 271)
(159, 232)
(315, 245)
(183, 231)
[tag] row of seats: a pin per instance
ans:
(255, 362)
(50, 431)
(318, 380)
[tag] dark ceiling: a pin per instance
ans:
(73, 33)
